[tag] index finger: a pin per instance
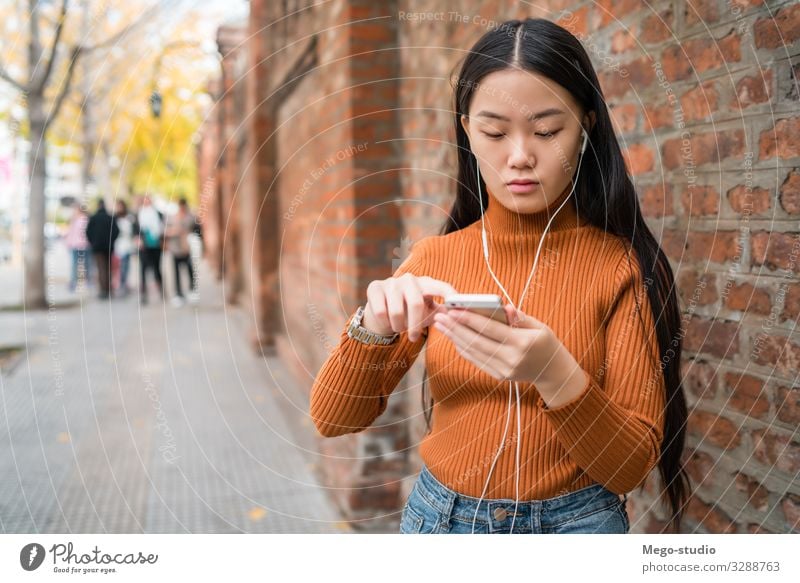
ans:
(433, 287)
(428, 287)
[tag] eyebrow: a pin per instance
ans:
(538, 115)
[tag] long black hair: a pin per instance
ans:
(545, 48)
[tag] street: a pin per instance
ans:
(122, 418)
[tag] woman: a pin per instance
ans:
(149, 231)
(590, 358)
(124, 245)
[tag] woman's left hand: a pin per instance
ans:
(527, 350)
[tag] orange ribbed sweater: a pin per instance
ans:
(586, 289)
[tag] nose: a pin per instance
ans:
(521, 155)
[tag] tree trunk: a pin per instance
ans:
(34, 295)
(88, 145)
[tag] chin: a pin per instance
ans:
(526, 203)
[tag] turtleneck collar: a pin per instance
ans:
(503, 221)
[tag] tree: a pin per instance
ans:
(42, 112)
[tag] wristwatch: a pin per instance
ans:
(357, 331)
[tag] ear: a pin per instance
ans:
(589, 120)
(465, 123)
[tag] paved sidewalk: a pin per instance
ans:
(126, 419)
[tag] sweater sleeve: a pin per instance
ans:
(614, 430)
(352, 388)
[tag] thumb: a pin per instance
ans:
(520, 319)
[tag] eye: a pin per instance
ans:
(493, 136)
(547, 134)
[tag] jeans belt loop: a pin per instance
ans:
(447, 510)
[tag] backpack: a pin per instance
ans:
(150, 239)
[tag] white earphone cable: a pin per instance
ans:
(524, 291)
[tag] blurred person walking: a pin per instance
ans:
(79, 247)
(179, 227)
(124, 247)
(102, 232)
(150, 231)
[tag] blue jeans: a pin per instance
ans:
(124, 267)
(433, 508)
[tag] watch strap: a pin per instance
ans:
(356, 331)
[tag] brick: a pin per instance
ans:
(378, 31)
(787, 405)
(703, 148)
(700, 378)
(714, 429)
(779, 30)
(793, 92)
(775, 250)
(746, 394)
(640, 75)
(699, 55)
(658, 116)
(791, 512)
(698, 288)
(711, 518)
(752, 90)
(699, 201)
(718, 247)
(639, 159)
(610, 10)
(782, 140)
(791, 305)
(622, 40)
(640, 71)
(790, 193)
(704, 11)
(776, 451)
(657, 201)
(757, 495)
(715, 337)
(624, 117)
(700, 466)
(748, 299)
(776, 351)
(674, 243)
(700, 102)
(657, 28)
(754, 200)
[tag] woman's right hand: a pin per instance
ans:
(404, 303)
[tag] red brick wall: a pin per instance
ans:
(209, 212)
(705, 99)
(232, 145)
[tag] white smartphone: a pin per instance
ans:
(489, 305)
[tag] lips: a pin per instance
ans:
(523, 186)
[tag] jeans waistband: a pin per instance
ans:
(447, 500)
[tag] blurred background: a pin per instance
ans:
(282, 155)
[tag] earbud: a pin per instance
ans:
(585, 141)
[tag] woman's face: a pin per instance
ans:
(523, 126)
